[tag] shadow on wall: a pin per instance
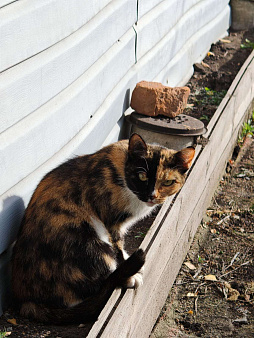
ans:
(10, 219)
(124, 127)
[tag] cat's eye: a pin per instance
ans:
(167, 183)
(142, 176)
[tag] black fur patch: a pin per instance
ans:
(142, 189)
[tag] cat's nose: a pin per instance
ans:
(153, 195)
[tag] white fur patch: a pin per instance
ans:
(136, 208)
(125, 255)
(113, 266)
(75, 303)
(101, 230)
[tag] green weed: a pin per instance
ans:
(2, 334)
(204, 117)
(208, 96)
(215, 97)
(248, 44)
(200, 260)
(139, 235)
(248, 128)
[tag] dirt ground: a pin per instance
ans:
(223, 246)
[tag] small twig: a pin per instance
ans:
(190, 283)
(232, 260)
(223, 219)
(198, 272)
(199, 287)
(196, 305)
(245, 263)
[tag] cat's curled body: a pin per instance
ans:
(69, 255)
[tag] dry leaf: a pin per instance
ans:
(213, 231)
(210, 278)
(7, 334)
(205, 64)
(250, 288)
(210, 54)
(12, 321)
(190, 265)
(233, 294)
(191, 294)
(225, 41)
(247, 298)
(227, 285)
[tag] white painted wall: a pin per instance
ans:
(67, 70)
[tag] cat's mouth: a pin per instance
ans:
(151, 203)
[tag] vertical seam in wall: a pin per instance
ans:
(135, 47)
(136, 35)
(137, 10)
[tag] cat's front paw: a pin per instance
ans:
(135, 281)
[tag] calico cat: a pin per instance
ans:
(69, 255)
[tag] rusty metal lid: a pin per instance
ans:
(182, 125)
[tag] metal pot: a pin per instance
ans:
(174, 133)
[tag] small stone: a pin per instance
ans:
(153, 98)
(199, 68)
(240, 321)
(82, 325)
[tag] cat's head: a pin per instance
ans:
(153, 172)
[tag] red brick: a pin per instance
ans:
(153, 98)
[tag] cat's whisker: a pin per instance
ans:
(145, 163)
(142, 168)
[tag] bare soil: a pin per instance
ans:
(225, 236)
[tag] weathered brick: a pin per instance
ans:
(153, 98)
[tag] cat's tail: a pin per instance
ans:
(91, 307)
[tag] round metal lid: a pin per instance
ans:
(182, 125)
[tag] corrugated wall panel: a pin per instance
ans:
(168, 22)
(178, 71)
(6, 2)
(34, 139)
(30, 84)
(28, 27)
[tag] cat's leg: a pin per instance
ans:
(136, 280)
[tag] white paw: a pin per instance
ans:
(135, 281)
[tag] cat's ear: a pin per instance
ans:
(137, 146)
(184, 158)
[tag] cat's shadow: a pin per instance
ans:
(10, 219)
(125, 127)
